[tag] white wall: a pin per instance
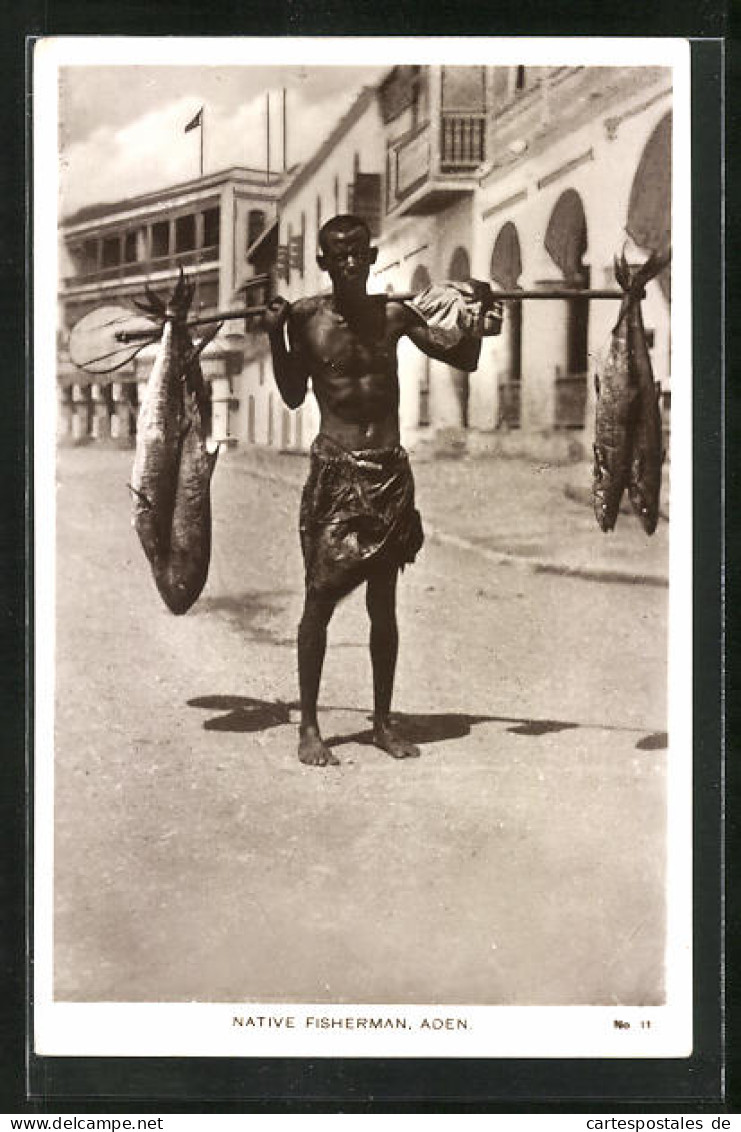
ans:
(603, 183)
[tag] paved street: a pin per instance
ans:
(519, 860)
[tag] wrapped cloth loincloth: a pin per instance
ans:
(357, 514)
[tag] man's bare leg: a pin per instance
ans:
(312, 645)
(384, 647)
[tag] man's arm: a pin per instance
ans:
(465, 355)
(481, 315)
(289, 366)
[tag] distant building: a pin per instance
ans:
(343, 175)
(578, 159)
(111, 250)
(525, 177)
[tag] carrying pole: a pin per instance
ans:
(513, 296)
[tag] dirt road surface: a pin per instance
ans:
(519, 860)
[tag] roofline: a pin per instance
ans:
(241, 173)
(358, 108)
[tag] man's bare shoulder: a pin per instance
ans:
(303, 310)
(401, 316)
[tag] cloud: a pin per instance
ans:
(114, 162)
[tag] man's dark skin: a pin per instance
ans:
(346, 343)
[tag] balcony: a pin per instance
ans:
(145, 268)
(434, 165)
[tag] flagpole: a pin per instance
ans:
(203, 115)
(267, 138)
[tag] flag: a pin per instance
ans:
(196, 121)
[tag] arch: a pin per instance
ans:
(566, 242)
(649, 219)
(460, 266)
(420, 278)
(566, 235)
(505, 269)
(506, 260)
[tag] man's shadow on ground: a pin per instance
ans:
(246, 715)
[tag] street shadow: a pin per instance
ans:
(254, 613)
(245, 714)
(437, 727)
(242, 713)
(658, 741)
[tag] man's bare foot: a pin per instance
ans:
(313, 751)
(389, 740)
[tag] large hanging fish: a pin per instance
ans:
(647, 453)
(171, 479)
(627, 444)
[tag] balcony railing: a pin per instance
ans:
(170, 262)
(413, 160)
(462, 141)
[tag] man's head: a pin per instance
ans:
(345, 251)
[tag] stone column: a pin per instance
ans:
(543, 356)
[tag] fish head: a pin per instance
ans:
(179, 302)
(606, 491)
(645, 510)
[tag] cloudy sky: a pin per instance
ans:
(122, 127)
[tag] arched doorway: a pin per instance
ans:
(566, 244)
(459, 271)
(460, 266)
(421, 279)
(505, 270)
(649, 221)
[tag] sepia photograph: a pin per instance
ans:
(362, 397)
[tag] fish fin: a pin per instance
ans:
(140, 496)
(622, 271)
(655, 264)
(212, 457)
(155, 301)
(182, 296)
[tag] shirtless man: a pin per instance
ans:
(358, 521)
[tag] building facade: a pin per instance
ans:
(109, 252)
(530, 177)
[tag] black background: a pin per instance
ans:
(165, 1085)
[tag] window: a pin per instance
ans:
(111, 251)
(255, 225)
(89, 256)
(464, 89)
(185, 233)
(130, 255)
(160, 239)
(211, 219)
